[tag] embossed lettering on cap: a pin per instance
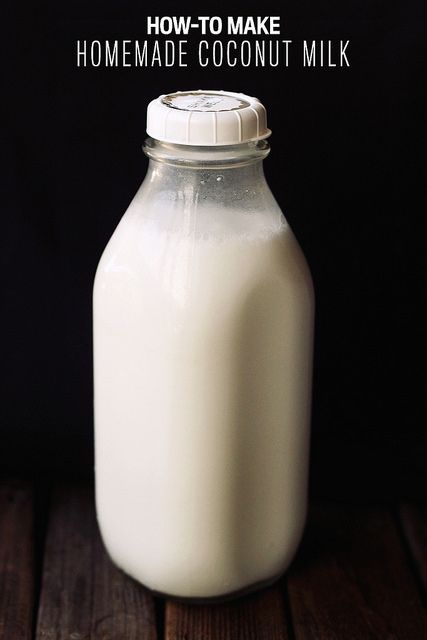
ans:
(204, 102)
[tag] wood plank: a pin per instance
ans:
(414, 523)
(16, 561)
(84, 597)
(352, 580)
(260, 616)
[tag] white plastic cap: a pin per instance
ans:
(207, 118)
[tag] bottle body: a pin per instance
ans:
(203, 321)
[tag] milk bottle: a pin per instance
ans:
(203, 324)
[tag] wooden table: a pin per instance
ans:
(361, 573)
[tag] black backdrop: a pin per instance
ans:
(344, 166)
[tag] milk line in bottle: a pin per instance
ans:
(203, 324)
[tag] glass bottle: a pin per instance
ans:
(203, 326)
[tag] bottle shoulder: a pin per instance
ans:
(177, 235)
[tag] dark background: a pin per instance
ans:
(345, 166)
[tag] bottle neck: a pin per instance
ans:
(207, 173)
(193, 157)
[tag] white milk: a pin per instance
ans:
(202, 352)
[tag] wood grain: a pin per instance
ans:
(414, 523)
(16, 561)
(260, 616)
(83, 596)
(352, 581)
